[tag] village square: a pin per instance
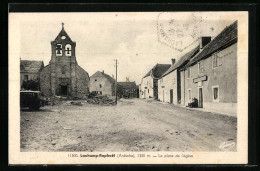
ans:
(187, 104)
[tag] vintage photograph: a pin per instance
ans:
(127, 82)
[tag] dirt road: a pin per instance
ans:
(132, 125)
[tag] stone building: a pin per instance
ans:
(211, 76)
(103, 84)
(169, 85)
(149, 83)
(63, 76)
(30, 70)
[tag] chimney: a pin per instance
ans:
(204, 41)
(103, 71)
(173, 61)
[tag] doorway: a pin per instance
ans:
(64, 90)
(171, 95)
(200, 98)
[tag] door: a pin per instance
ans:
(200, 98)
(63, 90)
(171, 95)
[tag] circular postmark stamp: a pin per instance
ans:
(179, 31)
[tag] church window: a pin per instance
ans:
(68, 50)
(59, 50)
(63, 37)
(63, 70)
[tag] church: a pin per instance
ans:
(63, 76)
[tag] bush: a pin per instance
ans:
(30, 85)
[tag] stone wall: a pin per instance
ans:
(45, 81)
(107, 88)
(83, 82)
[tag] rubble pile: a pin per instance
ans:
(101, 100)
(53, 100)
(76, 103)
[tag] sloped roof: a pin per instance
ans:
(31, 66)
(158, 70)
(62, 33)
(226, 38)
(183, 60)
(127, 85)
(102, 74)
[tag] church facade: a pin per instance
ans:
(63, 76)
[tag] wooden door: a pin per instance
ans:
(200, 98)
(171, 95)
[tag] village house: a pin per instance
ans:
(63, 76)
(129, 89)
(149, 84)
(30, 70)
(169, 85)
(103, 84)
(211, 76)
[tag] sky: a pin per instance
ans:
(137, 40)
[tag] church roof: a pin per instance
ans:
(62, 33)
(102, 74)
(31, 66)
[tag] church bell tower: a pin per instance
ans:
(63, 65)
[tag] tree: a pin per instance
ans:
(30, 85)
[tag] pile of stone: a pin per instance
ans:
(76, 103)
(52, 100)
(101, 100)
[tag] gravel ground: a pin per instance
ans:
(132, 125)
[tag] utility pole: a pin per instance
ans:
(116, 81)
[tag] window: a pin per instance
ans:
(189, 94)
(215, 93)
(63, 70)
(216, 61)
(201, 67)
(68, 50)
(100, 85)
(95, 79)
(148, 90)
(58, 50)
(25, 77)
(188, 73)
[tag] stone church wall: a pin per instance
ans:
(82, 82)
(45, 81)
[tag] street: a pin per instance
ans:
(131, 125)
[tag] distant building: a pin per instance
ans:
(149, 84)
(103, 84)
(169, 85)
(129, 89)
(30, 70)
(211, 76)
(63, 76)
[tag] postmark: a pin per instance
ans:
(179, 32)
